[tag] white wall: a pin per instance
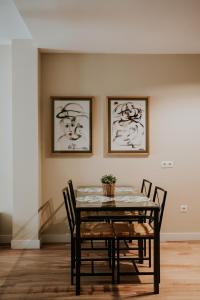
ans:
(25, 143)
(6, 166)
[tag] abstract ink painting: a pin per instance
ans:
(128, 125)
(72, 124)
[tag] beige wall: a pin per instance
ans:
(173, 83)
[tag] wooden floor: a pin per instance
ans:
(44, 274)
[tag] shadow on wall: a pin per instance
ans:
(5, 227)
(48, 222)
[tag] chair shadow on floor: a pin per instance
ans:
(48, 215)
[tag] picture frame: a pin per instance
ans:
(72, 124)
(128, 126)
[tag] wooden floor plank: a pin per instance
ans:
(45, 274)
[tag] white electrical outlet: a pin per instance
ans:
(170, 164)
(167, 164)
(183, 208)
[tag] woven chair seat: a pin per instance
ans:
(133, 230)
(122, 229)
(98, 230)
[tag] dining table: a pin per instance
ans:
(126, 199)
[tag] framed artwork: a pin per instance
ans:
(128, 125)
(72, 124)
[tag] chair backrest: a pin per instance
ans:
(72, 194)
(159, 197)
(69, 209)
(146, 187)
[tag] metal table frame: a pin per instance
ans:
(110, 207)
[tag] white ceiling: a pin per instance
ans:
(11, 23)
(114, 26)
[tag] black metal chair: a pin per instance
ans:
(89, 216)
(90, 231)
(139, 231)
(159, 197)
(146, 190)
(146, 187)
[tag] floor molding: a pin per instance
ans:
(55, 238)
(25, 244)
(180, 236)
(65, 238)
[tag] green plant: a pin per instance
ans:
(108, 179)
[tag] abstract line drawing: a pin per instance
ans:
(127, 122)
(72, 124)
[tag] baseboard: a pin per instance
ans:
(180, 236)
(25, 244)
(55, 238)
(5, 238)
(65, 238)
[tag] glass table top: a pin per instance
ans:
(91, 197)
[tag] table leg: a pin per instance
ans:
(78, 252)
(141, 248)
(140, 251)
(156, 252)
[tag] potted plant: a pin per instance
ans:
(108, 182)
